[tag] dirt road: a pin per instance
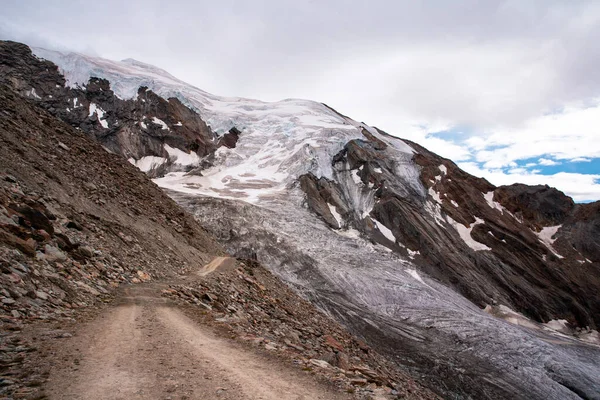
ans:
(146, 348)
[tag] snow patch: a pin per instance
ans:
(32, 93)
(465, 233)
(160, 122)
(489, 198)
(148, 163)
(412, 254)
(95, 109)
(356, 178)
(336, 215)
(557, 324)
(385, 231)
(443, 169)
(545, 236)
(435, 195)
(181, 157)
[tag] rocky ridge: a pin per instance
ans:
(156, 134)
(489, 243)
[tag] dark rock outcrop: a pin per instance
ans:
(508, 263)
(134, 128)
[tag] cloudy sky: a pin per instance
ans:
(509, 90)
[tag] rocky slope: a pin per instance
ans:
(386, 236)
(79, 224)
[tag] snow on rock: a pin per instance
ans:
(32, 93)
(545, 236)
(443, 169)
(412, 254)
(465, 234)
(95, 109)
(148, 163)
(181, 157)
(179, 123)
(143, 125)
(356, 178)
(336, 215)
(160, 122)
(377, 170)
(489, 198)
(280, 141)
(557, 325)
(385, 231)
(455, 204)
(435, 195)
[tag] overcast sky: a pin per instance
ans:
(510, 90)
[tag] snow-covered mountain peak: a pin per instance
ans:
(279, 142)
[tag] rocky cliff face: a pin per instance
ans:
(156, 134)
(520, 246)
(387, 237)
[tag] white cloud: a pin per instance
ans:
(522, 76)
(581, 187)
(547, 162)
(569, 134)
(580, 159)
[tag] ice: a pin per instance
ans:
(350, 233)
(557, 325)
(281, 141)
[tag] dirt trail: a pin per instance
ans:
(217, 262)
(145, 348)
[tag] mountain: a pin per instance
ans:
(481, 291)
